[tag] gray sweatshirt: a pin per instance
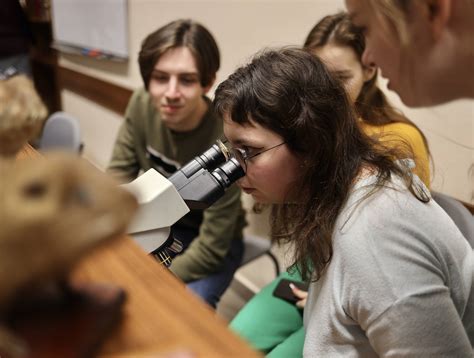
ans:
(400, 282)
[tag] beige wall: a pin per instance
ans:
(241, 28)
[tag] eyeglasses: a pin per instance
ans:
(243, 155)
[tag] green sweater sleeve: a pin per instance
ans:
(222, 223)
(124, 163)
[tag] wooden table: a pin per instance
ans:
(160, 315)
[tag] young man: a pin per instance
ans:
(169, 122)
(425, 48)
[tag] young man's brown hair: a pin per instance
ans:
(181, 33)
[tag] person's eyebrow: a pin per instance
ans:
(189, 74)
(180, 74)
(342, 72)
(239, 141)
(244, 142)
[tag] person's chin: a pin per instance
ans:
(409, 99)
(170, 116)
(406, 95)
(252, 192)
(259, 198)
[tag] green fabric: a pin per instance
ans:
(142, 133)
(291, 347)
(270, 324)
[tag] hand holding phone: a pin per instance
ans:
(284, 291)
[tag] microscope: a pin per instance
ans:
(163, 201)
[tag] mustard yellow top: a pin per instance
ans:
(404, 136)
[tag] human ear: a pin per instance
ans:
(209, 85)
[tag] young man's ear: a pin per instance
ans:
(209, 86)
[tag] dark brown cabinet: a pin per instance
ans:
(44, 59)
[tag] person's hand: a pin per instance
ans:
(301, 294)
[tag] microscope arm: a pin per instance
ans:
(160, 206)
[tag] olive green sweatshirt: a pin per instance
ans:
(144, 142)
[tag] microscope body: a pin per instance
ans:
(163, 201)
(160, 206)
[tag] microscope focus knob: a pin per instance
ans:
(176, 246)
(165, 253)
(163, 257)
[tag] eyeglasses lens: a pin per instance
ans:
(240, 158)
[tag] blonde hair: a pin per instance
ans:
(395, 13)
(22, 113)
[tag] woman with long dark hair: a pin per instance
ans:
(366, 235)
(340, 45)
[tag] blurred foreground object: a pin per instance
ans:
(21, 114)
(55, 210)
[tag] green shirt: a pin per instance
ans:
(144, 142)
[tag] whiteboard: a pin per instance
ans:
(99, 25)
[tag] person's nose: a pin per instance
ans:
(241, 182)
(172, 91)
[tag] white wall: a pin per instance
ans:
(99, 127)
(242, 28)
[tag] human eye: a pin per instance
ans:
(362, 29)
(241, 152)
(159, 77)
(343, 77)
(250, 152)
(188, 80)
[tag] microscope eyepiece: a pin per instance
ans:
(228, 173)
(208, 160)
(204, 179)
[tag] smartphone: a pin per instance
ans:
(284, 291)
